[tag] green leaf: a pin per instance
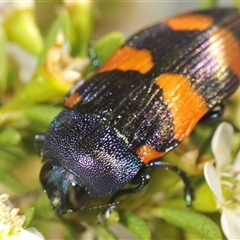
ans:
(205, 200)
(11, 181)
(208, 3)
(8, 158)
(108, 44)
(42, 114)
(28, 217)
(104, 233)
(161, 230)
(42, 87)
(237, 4)
(9, 136)
(236, 114)
(135, 224)
(3, 62)
(21, 23)
(103, 49)
(43, 209)
(191, 221)
(81, 19)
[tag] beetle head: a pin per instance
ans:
(83, 158)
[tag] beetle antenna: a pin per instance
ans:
(109, 205)
(102, 216)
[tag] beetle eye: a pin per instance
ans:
(45, 173)
(74, 199)
(77, 198)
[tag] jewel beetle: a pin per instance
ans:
(139, 105)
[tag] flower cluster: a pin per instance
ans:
(224, 180)
(11, 223)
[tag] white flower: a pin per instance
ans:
(61, 65)
(11, 223)
(224, 180)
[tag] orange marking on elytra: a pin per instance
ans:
(73, 99)
(186, 105)
(190, 22)
(226, 49)
(146, 153)
(129, 58)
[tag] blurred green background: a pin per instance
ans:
(32, 89)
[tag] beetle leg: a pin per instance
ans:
(215, 113)
(142, 181)
(188, 190)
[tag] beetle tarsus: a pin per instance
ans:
(188, 190)
(215, 113)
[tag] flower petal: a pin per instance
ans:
(213, 180)
(230, 221)
(236, 165)
(222, 144)
(30, 233)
